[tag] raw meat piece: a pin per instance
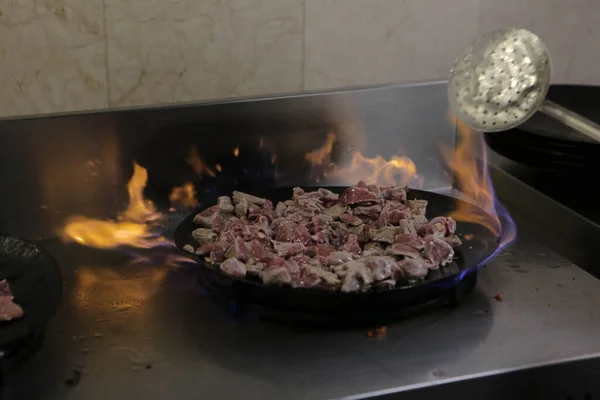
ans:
(225, 204)
(254, 268)
(358, 195)
(372, 212)
(437, 251)
(316, 269)
(382, 267)
(328, 195)
(397, 193)
(385, 234)
(407, 227)
(411, 240)
(189, 248)
(356, 276)
(292, 266)
(259, 251)
(393, 212)
(336, 210)
(339, 257)
(276, 276)
(206, 217)
(414, 268)
(400, 249)
(418, 207)
(250, 199)
(386, 284)
(453, 240)
(204, 235)
(217, 252)
(286, 249)
(321, 249)
(297, 192)
(280, 209)
(233, 266)
(240, 250)
(350, 219)
(373, 249)
(438, 227)
(9, 310)
(352, 245)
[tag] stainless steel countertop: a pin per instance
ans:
(118, 319)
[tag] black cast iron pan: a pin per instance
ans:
(36, 283)
(479, 243)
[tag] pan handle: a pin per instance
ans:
(571, 119)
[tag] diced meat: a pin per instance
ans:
(321, 249)
(240, 250)
(385, 234)
(418, 207)
(382, 267)
(316, 270)
(373, 249)
(9, 310)
(254, 268)
(339, 257)
(234, 267)
(356, 276)
(277, 276)
(358, 195)
(225, 205)
(286, 249)
(437, 251)
(206, 217)
(453, 240)
(414, 268)
(241, 208)
(369, 236)
(250, 199)
(280, 209)
(204, 235)
(372, 212)
(397, 193)
(407, 227)
(352, 245)
(411, 240)
(438, 227)
(260, 252)
(336, 211)
(328, 195)
(393, 212)
(189, 248)
(350, 219)
(400, 249)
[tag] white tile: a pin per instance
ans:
(52, 56)
(166, 51)
(570, 29)
(359, 42)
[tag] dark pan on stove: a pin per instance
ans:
(479, 243)
(36, 283)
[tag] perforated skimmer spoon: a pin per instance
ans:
(502, 80)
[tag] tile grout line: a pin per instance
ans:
(106, 63)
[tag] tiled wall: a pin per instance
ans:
(65, 55)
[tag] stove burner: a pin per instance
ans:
(36, 283)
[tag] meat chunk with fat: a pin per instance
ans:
(225, 205)
(358, 195)
(250, 199)
(204, 236)
(438, 251)
(287, 249)
(234, 267)
(9, 310)
(206, 217)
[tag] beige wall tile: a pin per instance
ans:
(358, 42)
(52, 56)
(570, 29)
(164, 51)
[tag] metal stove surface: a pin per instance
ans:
(147, 331)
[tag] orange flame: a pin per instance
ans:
(133, 227)
(199, 167)
(236, 151)
(183, 196)
(468, 162)
(398, 170)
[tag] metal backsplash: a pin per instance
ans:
(56, 166)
